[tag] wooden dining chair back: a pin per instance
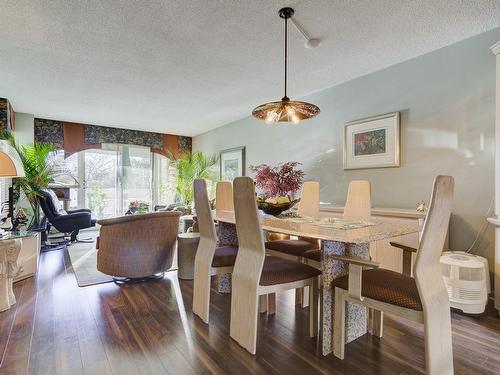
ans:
(205, 251)
(249, 262)
(359, 203)
(256, 274)
(296, 248)
(429, 280)
(423, 299)
(224, 196)
(309, 199)
(203, 212)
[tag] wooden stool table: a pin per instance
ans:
(187, 244)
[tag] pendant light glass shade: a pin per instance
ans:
(285, 110)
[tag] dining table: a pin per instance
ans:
(338, 237)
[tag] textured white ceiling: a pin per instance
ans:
(188, 66)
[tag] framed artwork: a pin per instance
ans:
(232, 163)
(372, 142)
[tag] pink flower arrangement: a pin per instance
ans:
(281, 180)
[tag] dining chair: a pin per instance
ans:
(423, 299)
(224, 196)
(256, 274)
(357, 207)
(210, 260)
(294, 248)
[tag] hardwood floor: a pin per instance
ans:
(58, 328)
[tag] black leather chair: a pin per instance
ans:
(64, 221)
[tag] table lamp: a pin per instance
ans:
(10, 166)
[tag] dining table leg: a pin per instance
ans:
(356, 315)
(226, 236)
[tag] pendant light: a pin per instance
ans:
(285, 110)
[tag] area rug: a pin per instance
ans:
(83, 258)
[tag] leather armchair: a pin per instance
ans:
(64, 221)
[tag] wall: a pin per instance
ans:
(446, 99)
(24, 131)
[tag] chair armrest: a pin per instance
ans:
(138, 217)
(403, 247)
(407, 255)
(70, 222)
(356, 265)
(356, 260)
(79, 210)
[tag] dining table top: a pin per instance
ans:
(330, 229)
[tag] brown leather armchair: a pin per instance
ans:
(137, 246)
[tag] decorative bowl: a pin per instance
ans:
(276, 209)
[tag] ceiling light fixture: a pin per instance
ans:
(285, 110)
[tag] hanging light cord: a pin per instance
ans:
(286, 52)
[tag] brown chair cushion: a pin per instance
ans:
(277, 270)
(225, 256)
(292, 247)
(386, 286)
(313, 255)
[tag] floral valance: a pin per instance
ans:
(7, 115)
(49, 131)
(75, 137)
(102, 134)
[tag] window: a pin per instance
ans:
(107, 180)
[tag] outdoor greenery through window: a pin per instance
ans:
(109, 180)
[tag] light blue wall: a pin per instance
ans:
(446, 99)
(25, 128)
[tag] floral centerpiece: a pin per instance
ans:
(278, 186)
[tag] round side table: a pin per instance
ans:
(187, 244)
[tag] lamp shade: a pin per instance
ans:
(10, 162)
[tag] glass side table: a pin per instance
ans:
(10, 247)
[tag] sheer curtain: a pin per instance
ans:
(163, 181)
(134, 175)
(113, 176)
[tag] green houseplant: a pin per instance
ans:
(39, 172)
(190, 166)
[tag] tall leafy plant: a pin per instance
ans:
(190, 166)
(39, 172)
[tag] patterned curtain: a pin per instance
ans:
(73, 137)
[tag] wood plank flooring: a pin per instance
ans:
(58, 328)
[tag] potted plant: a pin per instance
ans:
(190, 166)
(137, 206)
(38, 169)
(278, 186)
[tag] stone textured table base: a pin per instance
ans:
(226, 236)
(356, 315)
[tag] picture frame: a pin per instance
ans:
(372, 142)
(232, 163)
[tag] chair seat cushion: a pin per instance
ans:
(292, 247)
(313, 255)
(225, 256)
(277, 270)
(386, 286)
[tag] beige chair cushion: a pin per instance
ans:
(225, 256)
(293, 247)
(386, 286)
(277, 270)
